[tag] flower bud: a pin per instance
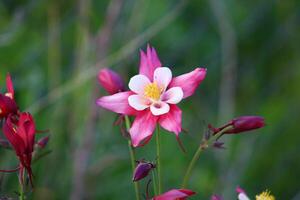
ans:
(246, 123)
(43, 142)
(142, 170)
(110, 81)
(7, 106)
(240, 124)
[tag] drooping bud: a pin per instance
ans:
(240, 124)
(110, 81)
(142, 170)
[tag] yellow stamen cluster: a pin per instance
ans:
(152, 91)
(266, 195)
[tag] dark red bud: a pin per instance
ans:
(219, 145)
(246, 123)
(142, 170)
(43, 142)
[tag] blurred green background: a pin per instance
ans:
(54, 49)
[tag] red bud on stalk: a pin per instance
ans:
(241, 124)
(142, 170)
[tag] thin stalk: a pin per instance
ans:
(133, 159)
(154, 183)
(158, 165)
(22, 186)
(204, 145)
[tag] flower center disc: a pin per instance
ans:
(152, 91)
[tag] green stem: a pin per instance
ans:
(158, 165)
(154, 183)
(21, 188)
(204, 145)
(133, 159)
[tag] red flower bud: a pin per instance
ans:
(7, 106)
(142, 170)
(246, 123)
(111, 81)
(240, 124)
(20, 132)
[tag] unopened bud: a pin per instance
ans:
(246, 123)
(142, 170)
(43, 142)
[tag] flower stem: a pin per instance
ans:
(158, 165)
(133, 159)
(22, 186)
(154, 183)
(204, 145)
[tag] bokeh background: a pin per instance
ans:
(54, 49)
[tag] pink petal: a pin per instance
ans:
(142, 128)
(189, 81)
(149, 62)
(162, 76)
(137, 83)
(117, 103)
(173, 95)
(159, 108)
(138, 102)
(175, 194)
(10, 87)
(110, 81)
(172, 120)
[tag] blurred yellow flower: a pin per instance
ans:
(266, 195)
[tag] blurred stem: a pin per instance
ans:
(154, 183)
(22, 196)
(204, 145)
(158, 159)
(132, 157)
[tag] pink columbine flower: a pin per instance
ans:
(152, 98)
(111, 81)
(20, 132)
(7, 102)
(175, 194)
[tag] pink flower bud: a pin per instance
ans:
(246, 123)
(240, 124)
(142, 170)
(111, 81)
